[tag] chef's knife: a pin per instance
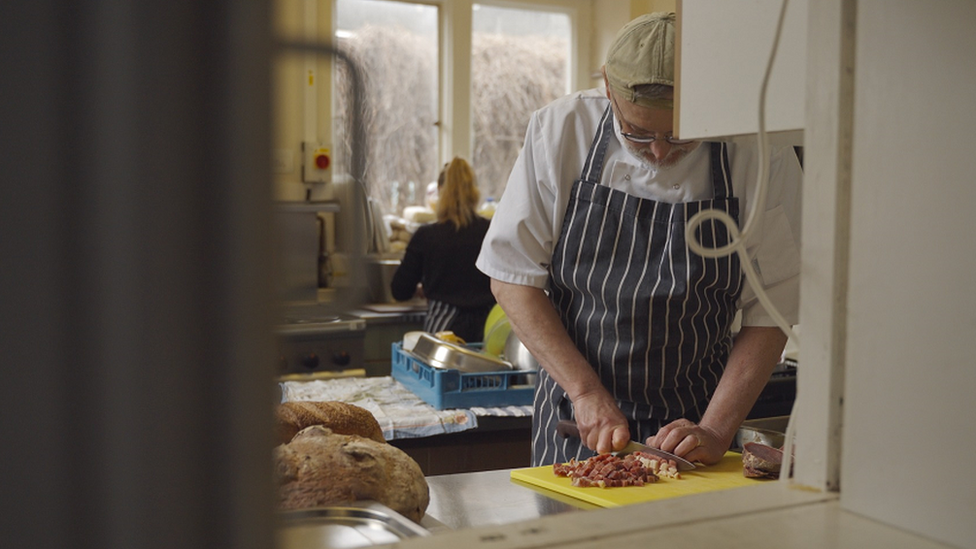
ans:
(568, 428)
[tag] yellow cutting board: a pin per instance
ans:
(721, 476)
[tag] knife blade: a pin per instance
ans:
(568, 428)
(633, 446)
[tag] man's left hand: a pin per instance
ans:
(691, 441)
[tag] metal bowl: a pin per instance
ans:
(748, 433)
(521, 358)
(440, 354)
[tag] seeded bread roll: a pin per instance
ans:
(319, 468)
(342, 418)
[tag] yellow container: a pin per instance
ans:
(497, 329)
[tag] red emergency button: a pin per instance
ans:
(322, 161)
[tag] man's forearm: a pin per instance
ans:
(538, 327)
(603, 428)
(754, 354)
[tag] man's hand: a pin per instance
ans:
(754, 355)
(691, 441)
(603, 428)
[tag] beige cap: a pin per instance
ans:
(643, 53)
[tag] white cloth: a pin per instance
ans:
(400, 413)
(529, 217)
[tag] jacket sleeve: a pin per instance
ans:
(518, 246)
(411, 270)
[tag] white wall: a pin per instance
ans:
(608, 18)
(826, 238)
(909, 413)
(720, 69)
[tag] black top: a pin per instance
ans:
(442, 258)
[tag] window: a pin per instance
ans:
(519, 62)
(521, 59)
(396, 46)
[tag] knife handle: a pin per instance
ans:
(567, 428)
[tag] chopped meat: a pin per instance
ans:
(658, 465)
(607, 471)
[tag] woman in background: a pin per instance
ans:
(440, 257)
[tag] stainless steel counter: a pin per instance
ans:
(464, 500)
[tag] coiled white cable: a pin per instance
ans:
(738, 240)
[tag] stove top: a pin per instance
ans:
(316, 339)
(316, 318)
(311, 319)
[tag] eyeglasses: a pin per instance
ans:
(643, 139)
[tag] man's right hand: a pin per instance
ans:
(603, 428)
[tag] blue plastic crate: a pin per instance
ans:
(444, 389)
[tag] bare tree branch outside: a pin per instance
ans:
(400, 122)
(512, 77)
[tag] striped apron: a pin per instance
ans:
(467, 323)
(652, 318)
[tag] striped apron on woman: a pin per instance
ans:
(467, 323)
(653, 318)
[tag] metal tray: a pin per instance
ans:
(768, 431)
(448, 356)
(359, 524)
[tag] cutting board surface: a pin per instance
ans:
(721, 476)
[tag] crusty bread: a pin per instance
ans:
(319, 468)
(340, 417)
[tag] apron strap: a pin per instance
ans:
(593, 166)
(721, 173)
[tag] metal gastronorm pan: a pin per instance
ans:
(358, 524)
(768, 431)
(449, 356)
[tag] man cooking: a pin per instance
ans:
(588, 258)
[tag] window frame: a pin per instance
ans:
(455, 130)
(457, 133)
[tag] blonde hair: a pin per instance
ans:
(457, 194)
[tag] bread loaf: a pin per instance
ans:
(340, 417)
(320, 468)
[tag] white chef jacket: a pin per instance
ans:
(529, 217)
